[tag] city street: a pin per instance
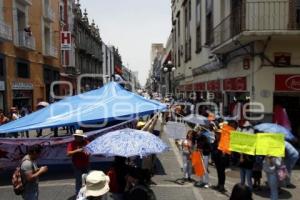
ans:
(88, 85)
(59, 184)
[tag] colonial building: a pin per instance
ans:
(29, 43)
(157, 53)
(69, 71)
(88, 51)
(117, 62)
(227, 51)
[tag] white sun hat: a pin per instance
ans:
(97, 184)
(79, 133)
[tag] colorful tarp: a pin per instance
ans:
(109, 103)
(267, 144)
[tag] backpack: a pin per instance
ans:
(150, 193)
(18, 184)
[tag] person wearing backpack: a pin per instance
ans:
(30, 173)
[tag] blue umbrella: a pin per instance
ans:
(275, 128)
(196, 119)
(127, 143)
(176, 130)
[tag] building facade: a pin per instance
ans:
(228, 51)
(157, 53)
(167, 70)
(29, 46)
(108, 62)
(88, 51)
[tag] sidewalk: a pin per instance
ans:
(169, 169)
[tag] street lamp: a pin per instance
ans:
(169, 67)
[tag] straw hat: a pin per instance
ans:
(97, 184)
(79, 133)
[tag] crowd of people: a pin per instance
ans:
(125, 180)
(206, 139)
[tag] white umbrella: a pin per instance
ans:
(127, 143)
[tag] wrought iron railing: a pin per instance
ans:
(263, 15)
(26, 40)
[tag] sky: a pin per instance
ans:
(132, 26)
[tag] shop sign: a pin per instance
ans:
(189, 88)
(22, 86)
(199, 86)
(214, 85)
(235, 84)
(66, 39)
(21, 94)
(2, 86)
(287, 82)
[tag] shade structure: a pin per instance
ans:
(275, 128)
(127, 143)
(109, 103)
(196, 119)
(176, 130)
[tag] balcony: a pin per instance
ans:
(26, 41)
(49, 14)
(5, 32)
(255, 20)
(51, 51)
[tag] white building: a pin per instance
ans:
(239, 50)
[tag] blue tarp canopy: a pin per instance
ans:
(109, 103)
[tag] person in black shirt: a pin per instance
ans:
(221, 161)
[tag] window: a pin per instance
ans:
(22, 69)
(198, 26)
(209, 21)
(298, 13)
(178, 41)
(187, 41)
(1, 66)
(61, 13)
(47, 76)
